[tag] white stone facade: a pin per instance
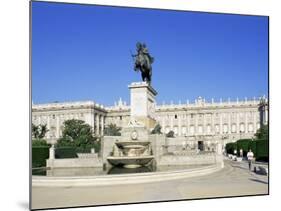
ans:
(201, 120)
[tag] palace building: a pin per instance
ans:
(200, 121)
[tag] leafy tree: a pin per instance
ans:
(262, 132)
(156, 129)
(112, 130)
(39, 131)
(171, 134)
(78, 134)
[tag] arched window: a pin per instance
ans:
(250, 127)
(242, 128)
(200, 129)
(208, 129)
(217, 128)
(233, 128)
(176, 130)
(225, 128)
(191, 129)
(183, 130)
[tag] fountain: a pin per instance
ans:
(132, 153)
(133, 149)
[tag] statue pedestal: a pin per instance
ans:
(143, 103)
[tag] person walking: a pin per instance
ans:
(250, 156)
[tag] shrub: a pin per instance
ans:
(39, 156)
(39, 142)
(65, 152)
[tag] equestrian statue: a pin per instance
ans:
(143, 61)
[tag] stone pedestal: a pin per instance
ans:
(143, 103)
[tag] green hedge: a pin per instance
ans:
(39, 156)
(259, 148)
(65, 152)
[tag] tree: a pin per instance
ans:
(78, 134)
(112, 130)
(262, 132)
(156, 129)
(171, 134)
(39, 131)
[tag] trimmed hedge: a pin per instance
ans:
(259, 148)
(65, 152)
(39, 156)
(71, 151)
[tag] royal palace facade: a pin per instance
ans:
(202, 121)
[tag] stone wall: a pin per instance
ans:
(107, 143)
(199, 159)
(74, 162)
(157, 143)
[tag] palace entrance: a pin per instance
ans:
(201, 145)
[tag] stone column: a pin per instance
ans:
(48, 126)
(171, 122)
(102, 124)
(266, 115)
(204, 125)
(213, 130)
(93, 120)
(255, 121)
(246, 122)
(98, 124)
(187, 124)
(196, 124)
(237, 123)
(229, 123)
(221, 129)
(179, 124)
(163, 124)
(57, 127)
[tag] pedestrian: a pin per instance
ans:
(241, 152)
(250, 156)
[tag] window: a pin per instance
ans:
(233, 128)
(192, 129)
(176, 130)
(258, 125)
(251, 128)
(225, 128)
(200, 129)
(208, 129)
(183, 130)
(120, 117)
(176, 116)
(54, 116)
(242, 128)
(217, 128)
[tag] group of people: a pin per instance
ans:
(250, 157)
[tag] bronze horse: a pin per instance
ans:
(143, 62)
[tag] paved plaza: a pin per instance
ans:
(234, 180)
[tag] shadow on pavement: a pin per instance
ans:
(260, 181)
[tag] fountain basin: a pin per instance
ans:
(129, 144)
(130, 161)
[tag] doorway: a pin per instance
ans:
(201, 145)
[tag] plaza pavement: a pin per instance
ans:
(233, 180)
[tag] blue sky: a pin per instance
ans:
(82, 52)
